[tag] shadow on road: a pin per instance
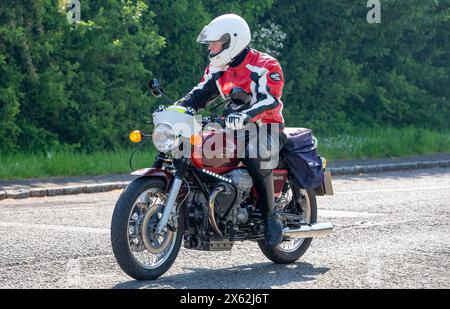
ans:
(253, 276)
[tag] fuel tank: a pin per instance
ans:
(217, 152)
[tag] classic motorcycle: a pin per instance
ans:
(206, 203)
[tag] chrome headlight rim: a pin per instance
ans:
(167, 144)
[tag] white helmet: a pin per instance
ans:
(234, 33)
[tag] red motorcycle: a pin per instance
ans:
(206, 203)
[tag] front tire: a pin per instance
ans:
(282, 253)
(139, 253)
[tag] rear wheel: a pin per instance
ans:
(302, 204)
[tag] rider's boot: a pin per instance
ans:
(272, 226)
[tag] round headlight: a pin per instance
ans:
(164, 137)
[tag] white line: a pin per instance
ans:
(73, 273)
(393, 190)
(21, 264)
(62, 228)
(346, 214)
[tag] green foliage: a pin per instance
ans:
(343, 72)
(83, 86)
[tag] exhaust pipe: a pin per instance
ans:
(212, 220)
(307, 231)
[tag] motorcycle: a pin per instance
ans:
(205, 203)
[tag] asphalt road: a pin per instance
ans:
(392, 230)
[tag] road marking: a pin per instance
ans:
(346, 214)
(393, 190)
(374, 274)
(73, 273)
(61, 228)
(22, 264)
(369, 224)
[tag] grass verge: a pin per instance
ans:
(384, 143)
(65, 163)
(373, 143)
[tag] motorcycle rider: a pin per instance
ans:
(234, 67)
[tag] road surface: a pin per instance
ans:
(392, 230)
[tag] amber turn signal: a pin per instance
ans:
(136, 136)
(196, 139)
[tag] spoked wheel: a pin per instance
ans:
(296, 206)
(139, 251)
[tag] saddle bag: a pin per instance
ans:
(300, 152)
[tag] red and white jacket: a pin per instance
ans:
(257, 74)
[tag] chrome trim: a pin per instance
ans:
(212, 199)
(307, 231)
(168, 208)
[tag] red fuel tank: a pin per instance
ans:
(216, 153)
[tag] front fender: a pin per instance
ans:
(155, 172)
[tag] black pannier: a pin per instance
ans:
(300, 152)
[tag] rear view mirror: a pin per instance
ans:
(155, 88)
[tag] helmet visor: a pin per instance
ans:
(203, 36)
(207, 36)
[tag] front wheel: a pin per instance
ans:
(290, 251)
(139, 252)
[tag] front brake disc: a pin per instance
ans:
(154, 243)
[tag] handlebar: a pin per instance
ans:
(210, 119)
(220, 121)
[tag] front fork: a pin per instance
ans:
(169, 208)
(159, 160)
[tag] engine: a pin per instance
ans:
(243, 182)
(229, 201)
(229, 193)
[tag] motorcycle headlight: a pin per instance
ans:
(164, 137)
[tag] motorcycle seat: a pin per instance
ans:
(291, 130)
(282, 164)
